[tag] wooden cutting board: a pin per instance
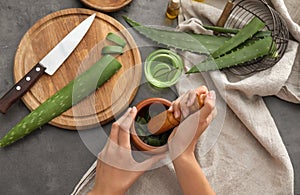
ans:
(107, 101)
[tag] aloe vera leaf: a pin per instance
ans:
(159, 66)
(274, 53)
(208, 41)
(171, 74)
(141, 120)
(64, 99)
(112, 49)
(162, 75)
(253, 50)
(262, 34)
(214, 45)
(153, 141)
(259, 34)
(199, 43)
(116, 39)
(140, 129)
(163, 139)
(245, 33)
(222, 29)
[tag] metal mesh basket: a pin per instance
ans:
(242, 12)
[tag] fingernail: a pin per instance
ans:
(211, 95)
(133, 109)
(129, 110)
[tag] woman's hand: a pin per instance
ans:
(183, 140)
(184, 137)
(116, 168)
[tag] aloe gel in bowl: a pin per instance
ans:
(163, 68)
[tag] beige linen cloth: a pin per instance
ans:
(242, 151)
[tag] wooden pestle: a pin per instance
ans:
(166, 120)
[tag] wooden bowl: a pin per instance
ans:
(106, 5)
(138, 143)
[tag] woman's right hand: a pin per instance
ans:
(184, 137)
(182, 141)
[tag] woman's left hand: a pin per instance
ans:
(116, 168)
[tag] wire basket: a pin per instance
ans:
(242, 12)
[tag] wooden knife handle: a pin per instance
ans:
(21, 87)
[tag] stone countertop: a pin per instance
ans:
(52, 160)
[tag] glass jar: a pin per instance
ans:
(173, 9)
(163, 68)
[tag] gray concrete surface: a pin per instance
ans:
(52, 160)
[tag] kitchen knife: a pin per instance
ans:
(49, 64)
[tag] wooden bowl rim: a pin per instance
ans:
(105, 7)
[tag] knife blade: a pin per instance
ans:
(49, 64)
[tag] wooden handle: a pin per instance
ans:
(21, 87)
(166, 120)
(162, 123)
(225, 14)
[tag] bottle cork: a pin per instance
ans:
(166, 120)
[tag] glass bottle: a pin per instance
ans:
(173, 9)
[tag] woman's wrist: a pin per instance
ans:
(186, 156)
(100, 189)
(100, 192)
(177, 151)
(190, 176)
